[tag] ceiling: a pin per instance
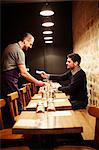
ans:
(31, 1)
(25, 16)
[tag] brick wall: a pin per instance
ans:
(85, 27)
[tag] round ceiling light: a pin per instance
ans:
(46, 13)
(47, 32)
(48, 41)
(48, 38)
(47, 24)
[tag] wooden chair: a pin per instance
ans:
(94, 111)
(24, 96)
(2, 104)
(33, 89)
(6, 136)
(13, 105)
(28, 89)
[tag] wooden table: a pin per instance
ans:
(61, 95)
(36, 96)
(60, 104)
(57, 96)
(58, 122)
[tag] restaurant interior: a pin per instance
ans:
(47, 121)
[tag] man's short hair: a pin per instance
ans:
(25, 35)
(74, 57)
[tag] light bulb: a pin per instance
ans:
(48, 38)
(47, 24)
(47, 32)
(48, 41)
(46, 13)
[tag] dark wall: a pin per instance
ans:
(19, 18)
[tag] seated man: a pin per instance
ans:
(76, 86)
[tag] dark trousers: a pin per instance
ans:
(9, 84)
(78, 104)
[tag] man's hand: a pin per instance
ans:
(44, 75)
(60, 88)
(40, 83)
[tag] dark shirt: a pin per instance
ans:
(76, 87)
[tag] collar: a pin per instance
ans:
(19, 44)
(74, 71)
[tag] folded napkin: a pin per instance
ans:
(50, 106)
(40, 108)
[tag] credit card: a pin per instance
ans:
(38, 72)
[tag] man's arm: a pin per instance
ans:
(77, 84)
(27, 76)
(57, 77)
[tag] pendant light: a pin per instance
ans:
(48, 38)
(49, 42)
(46, 10)
(47, 32)
(47, 24)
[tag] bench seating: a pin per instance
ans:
(88, 123)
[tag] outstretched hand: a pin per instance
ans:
(40, 83)
(44, 74)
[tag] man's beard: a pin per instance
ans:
(25, 48)
(71, 68)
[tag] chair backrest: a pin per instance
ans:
(23, 96)
(33, 89)
(13, 104)
(94, 111)
(28, 89)
(2, 104)
(26, 93)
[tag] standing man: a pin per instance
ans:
(76, 86)
(13, 64)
